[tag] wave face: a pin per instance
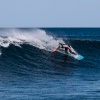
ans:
(27, 66)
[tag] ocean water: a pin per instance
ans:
(29, 70)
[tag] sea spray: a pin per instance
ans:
(37, 37)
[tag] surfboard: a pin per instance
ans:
(77, 56)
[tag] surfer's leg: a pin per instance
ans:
(72, 52)
(67, 51)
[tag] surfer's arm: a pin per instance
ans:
(56, 49)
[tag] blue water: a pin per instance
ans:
(30, 72)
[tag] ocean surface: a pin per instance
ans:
(29, 70)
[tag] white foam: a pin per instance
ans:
(38, 38)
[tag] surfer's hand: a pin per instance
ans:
(54, 51)
(53, 55)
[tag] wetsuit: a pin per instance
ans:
(67, 50)
(66, 47)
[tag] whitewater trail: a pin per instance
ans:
(37, 37)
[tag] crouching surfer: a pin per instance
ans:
(66, 48)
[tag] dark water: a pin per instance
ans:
(30, 73)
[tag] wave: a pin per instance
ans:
(31, 49)
(30, 60)
(29, 55)
(94, 44)
(38, 38)
(41, 39)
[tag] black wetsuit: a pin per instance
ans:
(66, 49)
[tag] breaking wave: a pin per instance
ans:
(38, 38)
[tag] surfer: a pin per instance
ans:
(66, 47)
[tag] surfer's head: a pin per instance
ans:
(61, 44)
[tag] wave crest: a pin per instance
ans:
(38, 38)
